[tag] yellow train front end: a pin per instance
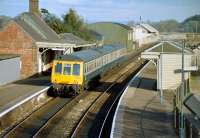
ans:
(67, 76)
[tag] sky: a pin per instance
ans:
(111, 10)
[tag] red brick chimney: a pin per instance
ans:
(34, 6)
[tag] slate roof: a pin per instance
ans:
(92, 53)
(36, 28)
(149, 28)
(72, 39)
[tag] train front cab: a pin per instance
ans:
(67, 76)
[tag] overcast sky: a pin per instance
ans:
(111, 10)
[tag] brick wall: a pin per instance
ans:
(13, 40)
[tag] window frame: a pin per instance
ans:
(79, 71)
(60, 68)
(70, 69)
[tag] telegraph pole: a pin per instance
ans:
(182, 94)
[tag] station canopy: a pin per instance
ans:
(164, 47)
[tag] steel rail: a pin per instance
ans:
(78, 126)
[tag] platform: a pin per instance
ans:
(139, 113)
(13, 93)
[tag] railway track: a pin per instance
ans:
(94, 119)
(97, 120)
(63, 124)
(59, 117)
(38, 121)
(29, 126)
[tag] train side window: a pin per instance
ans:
(85, 68)
(104, 60)
(76, 69)
(58, 68)
(67, 69)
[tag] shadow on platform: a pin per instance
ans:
(150, 123)
(144, 83)
(35, 80)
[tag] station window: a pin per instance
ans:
(76, 69)
(67, 69)
(58, 68)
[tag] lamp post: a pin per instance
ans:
(182, 93)
(161, 91)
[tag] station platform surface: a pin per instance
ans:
(15, 92)
(139, 113)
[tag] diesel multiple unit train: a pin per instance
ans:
(76, 71)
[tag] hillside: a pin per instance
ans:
(190, 24)
(192, 18)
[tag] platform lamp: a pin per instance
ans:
(161, 90)
(182, 95)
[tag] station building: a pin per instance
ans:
(167, 57)
(145, 34)
(28, 36)
(115, 33)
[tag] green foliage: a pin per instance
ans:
(53, 21)
(191, 24)
(192, 18)
(4, 20)
(167, 26)
(70, 23)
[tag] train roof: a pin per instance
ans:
(90, 54)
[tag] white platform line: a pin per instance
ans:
(23, 101)
(114, 118)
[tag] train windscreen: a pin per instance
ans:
(76, 69)
(58, 68)
(67, 69)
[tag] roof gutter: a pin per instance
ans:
(53, 45)
(86, 45)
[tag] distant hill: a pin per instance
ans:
(190, 24)
(167, 26)
(4, 20)
(192, 18)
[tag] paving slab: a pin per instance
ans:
(139, 113)
(13, 93)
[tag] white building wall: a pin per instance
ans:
(9, 70)
(142, 36)
(169, 70)
(197, 53)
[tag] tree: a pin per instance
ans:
(70, 23)
(53, 21)
(4, 20)
(192, 24)
(167, 26)
(75, 24)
